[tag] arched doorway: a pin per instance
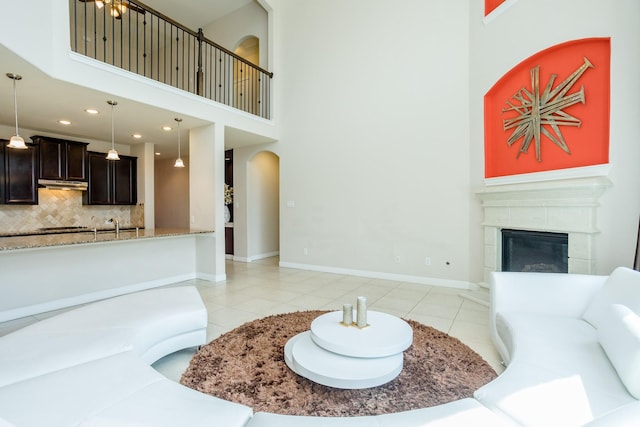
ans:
(246, 80)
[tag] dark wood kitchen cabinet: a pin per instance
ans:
(111, 182)
(125, 179)
(61, 159)
(19, 175)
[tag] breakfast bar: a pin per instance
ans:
(44, 272)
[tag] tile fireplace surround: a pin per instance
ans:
(561, 206)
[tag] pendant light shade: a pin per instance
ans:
(16, 140)
(179, 163)
(112, 154)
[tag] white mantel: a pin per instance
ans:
(563, 206)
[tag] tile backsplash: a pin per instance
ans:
(61, 208)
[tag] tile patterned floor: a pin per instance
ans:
(261, 288)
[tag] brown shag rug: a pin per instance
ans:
(247, 366)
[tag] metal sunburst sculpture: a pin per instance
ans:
(542, 113)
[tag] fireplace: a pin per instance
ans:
(565, 206)
(535, 251)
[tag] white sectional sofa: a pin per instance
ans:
(571, 343)
(572, 347)
(90, 366)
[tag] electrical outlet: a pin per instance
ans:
(306, 251)
(397, 259)
(427, 261)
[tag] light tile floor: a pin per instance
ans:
(262, 288)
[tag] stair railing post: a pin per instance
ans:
(199, 73)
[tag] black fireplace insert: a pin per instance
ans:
(535, 251)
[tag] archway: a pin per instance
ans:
(246, 81)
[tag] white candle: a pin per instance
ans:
(362, 312)
(347, 314)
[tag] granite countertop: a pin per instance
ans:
(41, 239)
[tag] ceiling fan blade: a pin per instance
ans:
(130, 6)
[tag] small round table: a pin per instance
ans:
(349, 357)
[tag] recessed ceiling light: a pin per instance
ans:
(166, 128)
(64, 122)
(136, 136)
(91, 111)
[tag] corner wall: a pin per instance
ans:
(493, 52)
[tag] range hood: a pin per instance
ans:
(55, 184)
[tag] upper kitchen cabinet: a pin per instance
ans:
(125, 179)
(19, 175)
(111, 182)
(61, 159)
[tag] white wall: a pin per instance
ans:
(250, 20)
(515, 34)
(374, 152)
(263, 205)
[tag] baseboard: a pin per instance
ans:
(58, 304)
(256, 257)
(431, 281)
(211, 277)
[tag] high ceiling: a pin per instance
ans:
(42, 101)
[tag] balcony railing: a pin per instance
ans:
(135, 37)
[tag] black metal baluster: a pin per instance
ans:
(200, 65)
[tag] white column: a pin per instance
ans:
(146, 181)
(206, 194)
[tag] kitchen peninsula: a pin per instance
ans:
(45, 272)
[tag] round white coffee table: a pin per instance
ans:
(386, 335)
(348, 357)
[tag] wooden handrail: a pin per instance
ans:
(199, 35)
(149, 43)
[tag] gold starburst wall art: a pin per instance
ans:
(550, 111)
(541, 111)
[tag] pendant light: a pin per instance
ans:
(112, 154)
(179, 163)
(16, 141)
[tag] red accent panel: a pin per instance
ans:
(588, 144)
(490, 5)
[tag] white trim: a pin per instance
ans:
(256, 257)
(61, 303)
(563, 206)
(581, 172)
(211, 277)
(263, 256)
(498, 11)
(430, 281)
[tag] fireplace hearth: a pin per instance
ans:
(535, 251)
(564, 206)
